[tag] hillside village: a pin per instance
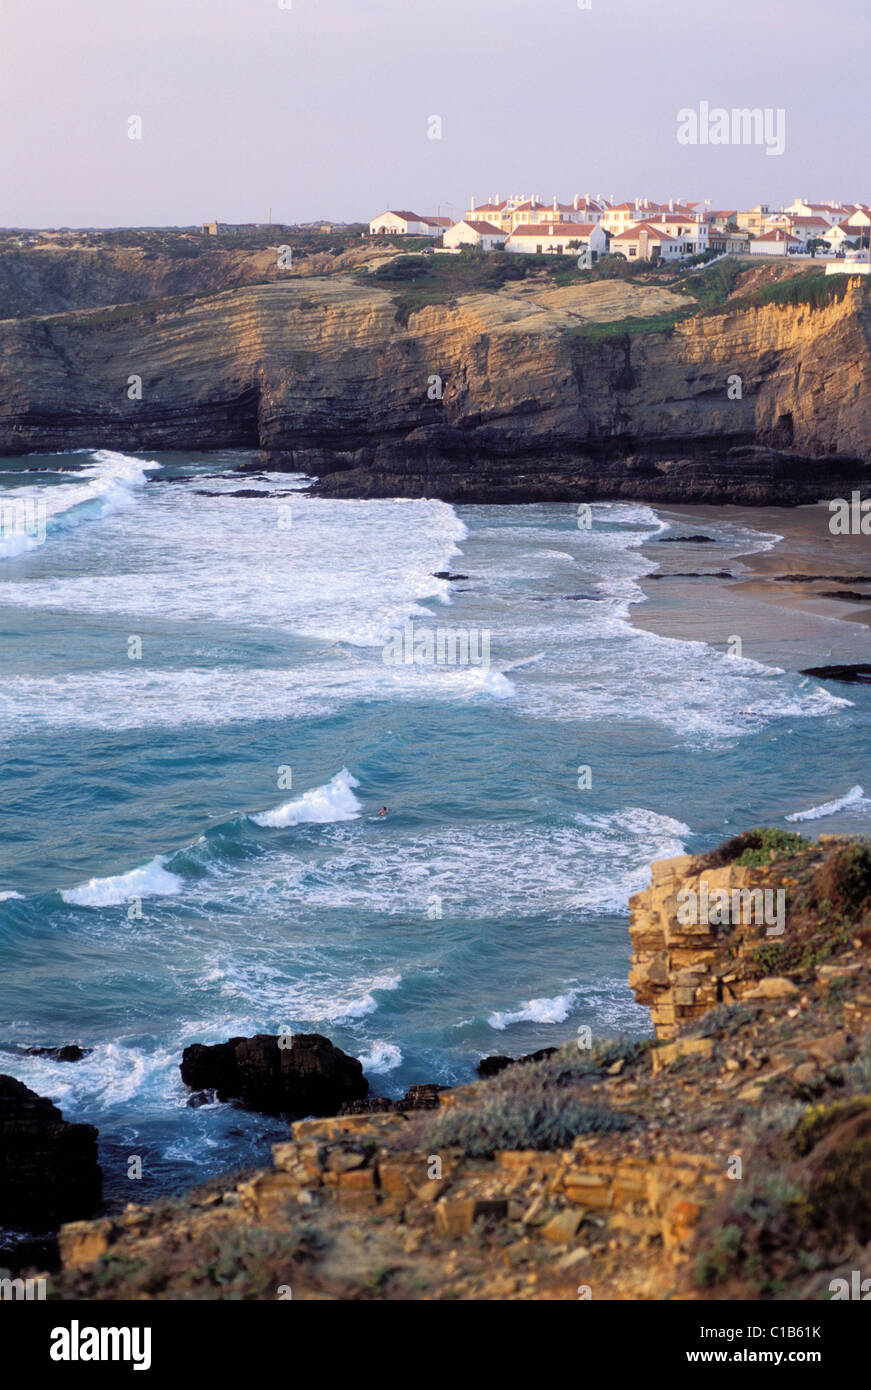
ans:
(642, 230)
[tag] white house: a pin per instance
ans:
(832, 214)
(558, 238)
(647, 242)
(777, 242)
(810, 229)
(407, 224)
(471, 232)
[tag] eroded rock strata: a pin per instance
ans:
(317, 372)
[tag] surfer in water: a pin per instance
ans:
(383, 811)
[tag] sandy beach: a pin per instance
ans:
(791, 623)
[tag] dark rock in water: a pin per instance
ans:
(311, 1077)
(691, 574)
(573, 598)
(860, 674)
(847, 595)
(200, 1098)
(48, 1168)
(70, 1052)
(687, 540)
(444, 574)
(818, 578)
(422, 1097)
(492, 1066)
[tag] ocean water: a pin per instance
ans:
(198, 727)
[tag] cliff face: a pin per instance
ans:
(318, 373)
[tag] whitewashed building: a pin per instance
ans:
(558, 238)
(474, 233)
(647, 242)
(407, 224)
(777, 242)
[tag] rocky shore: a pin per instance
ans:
(729, 1157)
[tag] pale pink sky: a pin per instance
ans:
(321, 110)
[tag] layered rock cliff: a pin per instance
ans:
(498, 396)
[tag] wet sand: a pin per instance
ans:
(783, 623)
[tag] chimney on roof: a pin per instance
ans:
(471, 204)
(554, 203)
(637, 204)
(671, 204)
(576, 202)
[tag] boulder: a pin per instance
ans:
(310, 1077)
(48, 1168)
(421, 1097)
(491, 1066)
(70, 1052)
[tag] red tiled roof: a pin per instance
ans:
(555, 229)
(632, 233)
(776, 234)
(808, 222)
(436, 221)
(483, 228)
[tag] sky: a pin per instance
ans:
(324, 108)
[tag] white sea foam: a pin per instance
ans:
(149, 881)
(853, 799)
(477, 871)
(7, 894)
(555, 1010)
(320, 806)
(381, 1057)
(30, 512)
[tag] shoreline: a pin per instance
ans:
(790, 624)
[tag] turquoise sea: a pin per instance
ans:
(198, 728)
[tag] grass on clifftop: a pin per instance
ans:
(532, 1105)
(420, 280)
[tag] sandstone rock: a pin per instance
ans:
(562, 1228)
(83, 1242)
(772, 987)
(311, 1077)
(48, 1168)
(456, 1216)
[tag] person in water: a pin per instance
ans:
(383, 811)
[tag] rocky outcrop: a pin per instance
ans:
(492, 1066)
(48, 1168)
(421, 1097)
(683, 963)
(690, 1172)
(318, 373)
(309, 1077)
